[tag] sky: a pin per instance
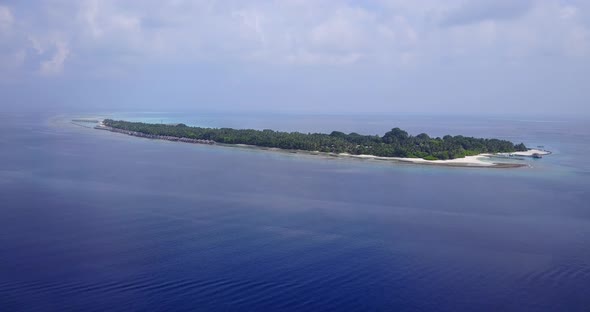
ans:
(310, 56)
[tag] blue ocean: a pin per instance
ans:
(98, 221)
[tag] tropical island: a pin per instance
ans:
(394, 144)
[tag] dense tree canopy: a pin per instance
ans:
(395, 143)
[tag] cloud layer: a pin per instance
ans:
(110, 39)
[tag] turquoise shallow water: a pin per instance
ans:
(93, 220)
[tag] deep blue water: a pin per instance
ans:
(95, 221)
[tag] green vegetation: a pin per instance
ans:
(395, 143)
(430, 157)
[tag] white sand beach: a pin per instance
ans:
(475, 161)
(481, 160)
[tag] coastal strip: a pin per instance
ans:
(475, 161)
(102, 126)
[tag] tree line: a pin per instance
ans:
(394, 143)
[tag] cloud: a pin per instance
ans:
(472, 12)
(346, 30)
(568, 12)
(6, 19)
(93, 35)
(251, 21)
(330, 52)
(102, 19)
(55, 64)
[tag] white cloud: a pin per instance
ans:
(6, 20)
(55, 64)
(568, 12)
(472, 12)
(578, 42)
(346, 30)
(36, 45)
(112, 33)
(251, 24)
(308, 58)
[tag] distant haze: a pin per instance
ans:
(489, 56)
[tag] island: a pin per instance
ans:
(396, 144)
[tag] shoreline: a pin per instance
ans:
(476, 161)
(101, 126)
